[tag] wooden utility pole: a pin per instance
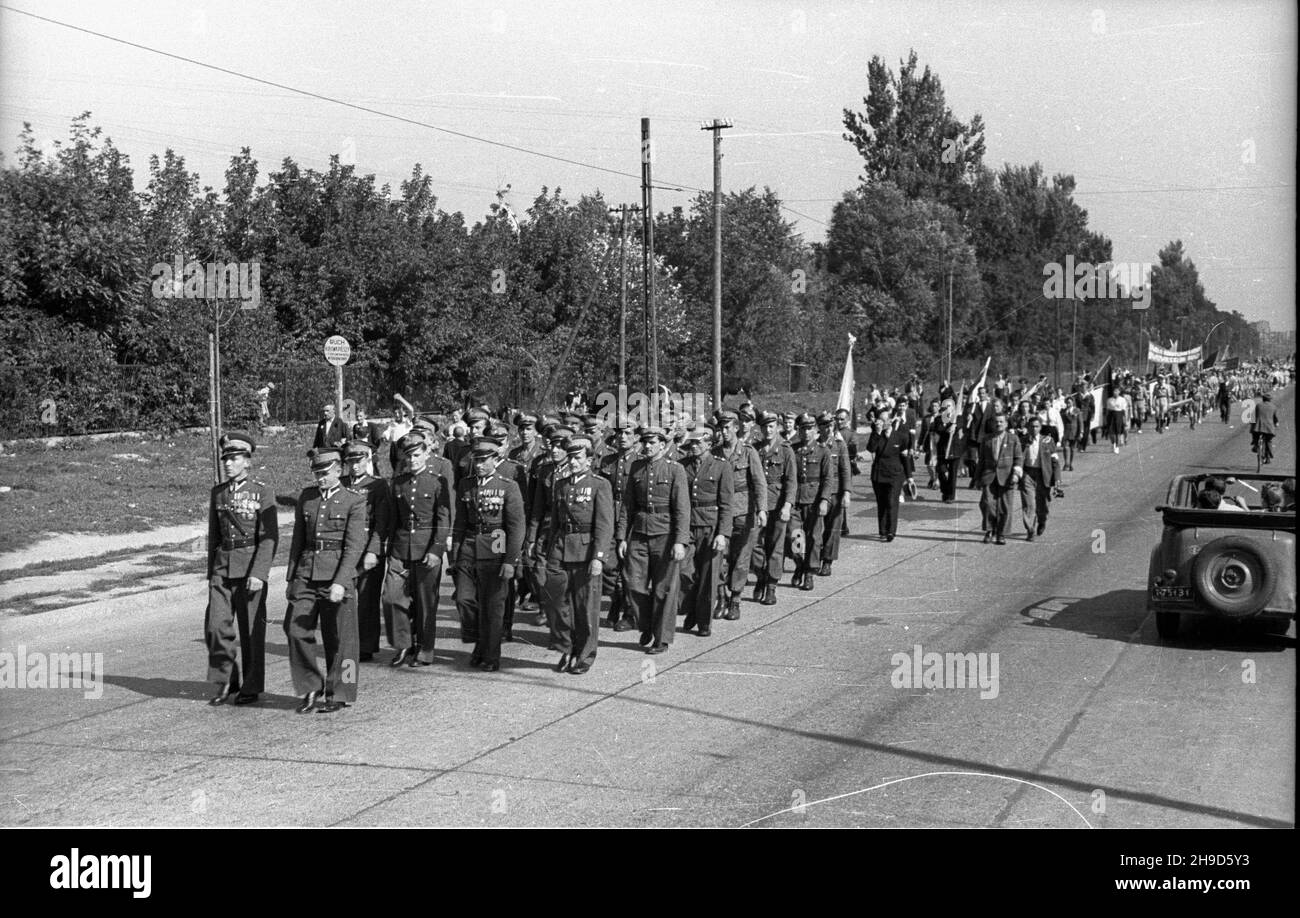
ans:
(717, 126)
(622, 210)
(647, 269)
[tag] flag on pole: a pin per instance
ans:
(957, 417)
(846, 381)
(982, 379)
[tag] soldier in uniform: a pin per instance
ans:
(546, 472)
(524, 589)
(838, 490)
(357, 458)
(242, 535)
(782, 477)
(457, 452)
(709, 479)
(812, 498)
(420, 510)
(652, 531)
(486, 540)
(329, 539)
(614, 467)
(749, 512)
(577, 547)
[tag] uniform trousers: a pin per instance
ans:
(309, 608)
(482, 596)
(831, 529)
(699, 573)
(887, 495)
(769, 548)
(411, 604)
(653, 585)
(811, 524)
(236, 616)
(576, 598)
(1035, 499)
(734, 570)
(370, 588)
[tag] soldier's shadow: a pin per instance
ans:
(187, 689)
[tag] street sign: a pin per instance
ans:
(337, 350)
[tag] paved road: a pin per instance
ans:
(793, 716)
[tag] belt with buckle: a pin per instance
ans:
(231, 544)
(328, 544)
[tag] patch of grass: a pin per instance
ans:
(102, 487)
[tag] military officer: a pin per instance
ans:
(329, 540)
(577, 549)
(358, 457)
(458, 452)
(486, 542)
(709, 479)
(545, 473)
(614, 467)
(815, 471)
(242, 535)
(420, 510)
(782, 477)
(838, 492)
(524, 589)
(652, 532)
(749, 511)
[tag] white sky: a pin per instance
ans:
(1177, 119)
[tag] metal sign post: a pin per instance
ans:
(337, 353)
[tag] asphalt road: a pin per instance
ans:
(796, 715)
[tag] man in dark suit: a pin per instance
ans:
(331, 432)
(1042, 474)
(1001, 466)
(890, 445)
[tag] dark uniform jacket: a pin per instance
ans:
(712, 493)
(489, 520)
(841, 468)
(242, 530)
(656, 502)
(748, 483)
(420, 513)
(892, 455)
(329, 535)
(780, 472)
(542, 484)
(813, 463)
(582, 519)
(614, 466)
(378, 511)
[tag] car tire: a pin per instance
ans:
(1167, 624)
(1231, 577)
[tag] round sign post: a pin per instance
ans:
(337, 353)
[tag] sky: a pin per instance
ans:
(1177, 119)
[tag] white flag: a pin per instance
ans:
(846, 381)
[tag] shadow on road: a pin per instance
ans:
(1121, 615)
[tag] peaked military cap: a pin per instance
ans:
(324, 457)
(651, 432)
(825, 418)
(485, 446)
(763, 418)
(578, 444)
(237, 443)
(357, 449)
(413, 441)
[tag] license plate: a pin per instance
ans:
(1171, 592)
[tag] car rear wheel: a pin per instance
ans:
(1231, 577)
(1167, 624)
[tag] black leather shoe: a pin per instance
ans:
(999, 540)
(563, 664)
(624, 625)
(988, 537)
(475, 659)
(826, 569)
(308, 702)
(807, 582)
(645, 638)
(403, 656)
(330, 706)
(705, 632)
(578, 669)
(1029, 536)
(489, 667)
(889, 538)
(733, 610)
(769, 595)
(657, 648)
(221, 697)
(508, 635)
(252, 698)
(759, 588)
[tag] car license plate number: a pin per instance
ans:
(1171, 592)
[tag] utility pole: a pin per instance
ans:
(948, 372)
(647, 269)
(622, 210)
(717, 126)
(1074, 344)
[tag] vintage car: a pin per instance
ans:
(1236, 564)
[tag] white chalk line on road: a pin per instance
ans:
(930, 774)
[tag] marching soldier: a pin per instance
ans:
(709, 480)
(329, 538)
(486, 541)
(577, 548)
(815, 474)
(614, 467)
(524, 589)
(546, 472)
(749, 512)
(838, 491)
(357, 457)
(652, 531)
(782, 477)
(242, 535)
(420, 510)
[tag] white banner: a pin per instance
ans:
(1158, 354)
